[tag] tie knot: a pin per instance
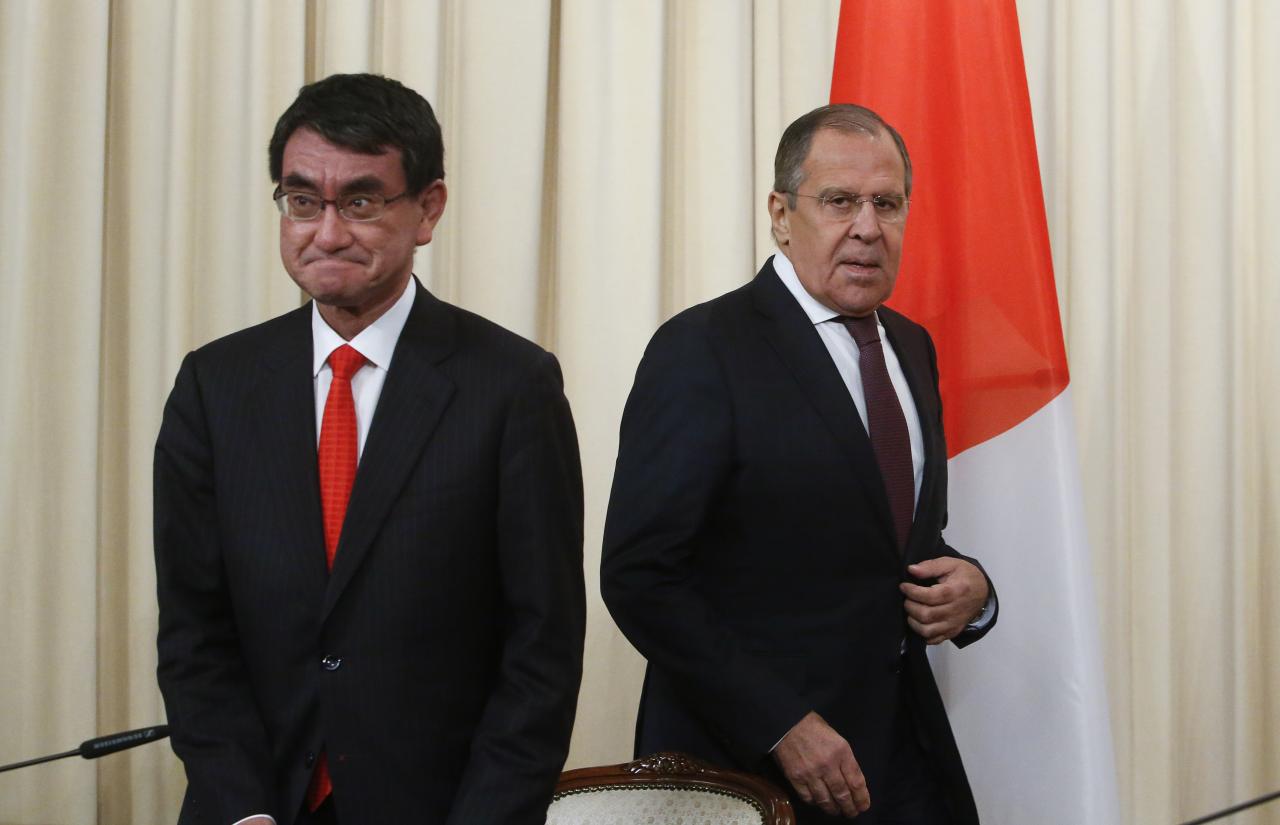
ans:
(344, 361)
(863, 330)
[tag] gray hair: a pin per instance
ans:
(793, 148)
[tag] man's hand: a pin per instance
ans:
(941, 611)
(819, 764)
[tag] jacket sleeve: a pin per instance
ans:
(215, 726)
(676, 452)
(971, 634)
(522, 740)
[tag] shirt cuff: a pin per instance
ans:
(984, 618)
(269, 817)
(784, 736)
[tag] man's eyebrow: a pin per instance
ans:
(836, 190)
(295, 181)
(366, 184)
(363, 185)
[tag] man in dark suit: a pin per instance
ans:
(779, 562)
(368, 517)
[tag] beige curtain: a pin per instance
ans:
(608, 162)
(1158, 125)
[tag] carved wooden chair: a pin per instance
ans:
(666, 788)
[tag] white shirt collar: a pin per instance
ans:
(376, 342)
(817, 311)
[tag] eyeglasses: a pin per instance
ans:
(306, 206)
(843, 206)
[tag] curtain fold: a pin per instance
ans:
(607, 166)
(1152, 119)
(52, 121)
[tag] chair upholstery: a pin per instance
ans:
(666, 788)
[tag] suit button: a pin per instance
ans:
(310, 760)
(331, 662)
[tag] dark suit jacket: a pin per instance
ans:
(749, 550)
(438, 665)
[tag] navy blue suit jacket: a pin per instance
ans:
(749, 549)
(452, 623)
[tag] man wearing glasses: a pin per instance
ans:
(368, 516)
(774, 538)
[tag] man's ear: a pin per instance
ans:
(780, 217)
(432, 201)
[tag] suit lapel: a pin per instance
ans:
(286, 431)
(792, 336)
(414, 396)
(915, 361)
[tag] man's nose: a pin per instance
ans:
(865, 226)
(332, 231)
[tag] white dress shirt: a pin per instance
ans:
(377, 343)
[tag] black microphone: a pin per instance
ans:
(101, 746)
(1235, 809)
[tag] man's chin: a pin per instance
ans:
(858, 300)
(326, 285)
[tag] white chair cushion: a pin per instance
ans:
(641, 805)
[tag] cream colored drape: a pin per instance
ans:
(608, 162)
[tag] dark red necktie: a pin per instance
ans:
(337, 462)
(889, 438)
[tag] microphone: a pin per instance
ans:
(101, 746)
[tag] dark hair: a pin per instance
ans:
(370, 114)
(793, 148)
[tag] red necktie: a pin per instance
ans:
(889, 438)
(338, 446)
(337, 462)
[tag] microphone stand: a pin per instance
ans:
(101, 746)
(1235, 809)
